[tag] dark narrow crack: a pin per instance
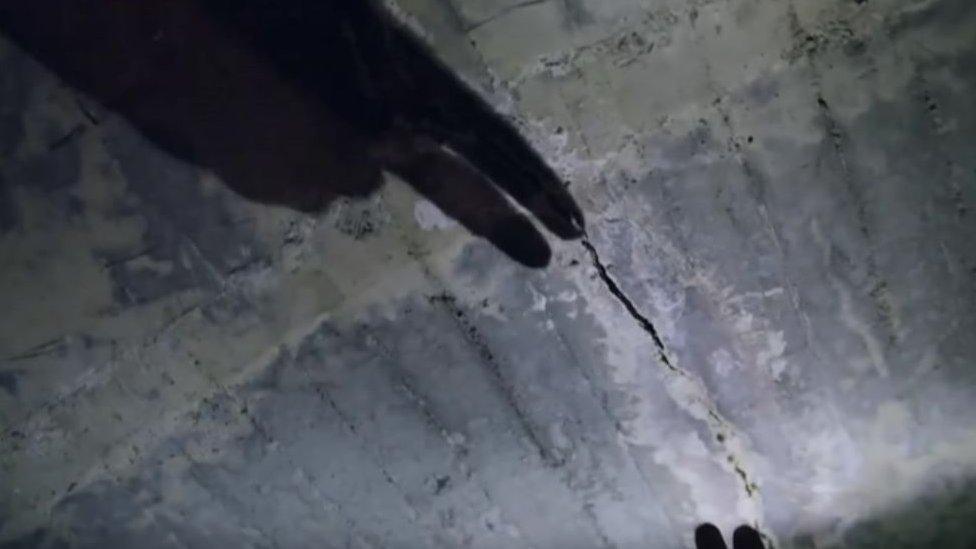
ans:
(601, 397)
(504, 387)
(549, 458)
(66, 138)
(116, 261)
(46, 348)
(878, 285)
(87, 112)
(349, 423)
(405, 383)
(837, 140)
(226, 501)
(750, 487)
(503, 12)
(642, 320)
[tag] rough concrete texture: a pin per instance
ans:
(781, 190)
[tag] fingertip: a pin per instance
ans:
(578, 222)
(518, 238)
(561, 215)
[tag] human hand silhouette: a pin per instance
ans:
(708, 536)
(296, 102)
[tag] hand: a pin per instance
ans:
(707, 536)
(295, 102)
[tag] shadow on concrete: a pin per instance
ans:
(296, 102)
(943, 521)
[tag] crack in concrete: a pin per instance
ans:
(503, 12)
(459, 451)
(226, 501)
(642, 320)
(601, 397)
(724, 427)
(548, 457)
(415, 515)
(473, 337)
(471, 334)
(839, 141)
(47, 348)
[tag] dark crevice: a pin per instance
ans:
(877, 284)
(404, 382)
(642, 320)
(507, 391)
(349, 423)
(502, 13)
(66, 138)
(46, 348)
(504, 387)
(88, 113)
(751, 487)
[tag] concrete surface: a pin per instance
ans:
(782, 191)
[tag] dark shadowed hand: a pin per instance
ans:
(296, 102)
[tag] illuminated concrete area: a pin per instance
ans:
(771, 322)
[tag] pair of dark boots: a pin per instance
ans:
(708, 536)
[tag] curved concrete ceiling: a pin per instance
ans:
(765, 324)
